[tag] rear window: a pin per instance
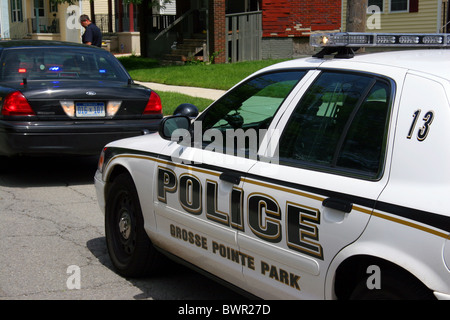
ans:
(59, 63)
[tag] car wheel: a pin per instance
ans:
(394, 286)
(129, 247)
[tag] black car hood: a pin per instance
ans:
(79, 90)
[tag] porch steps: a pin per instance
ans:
(189, 50)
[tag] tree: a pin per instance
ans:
(356, 15)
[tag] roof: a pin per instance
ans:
(431, 61)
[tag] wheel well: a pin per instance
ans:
(116, 171)
(354, 270)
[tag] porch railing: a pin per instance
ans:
(102, 21)
(174, 23)
(43, 25)
(18, 30)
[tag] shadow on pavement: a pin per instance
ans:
(22, 172)
(175, 282)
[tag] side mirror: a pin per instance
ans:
(170, 124)
(186, 109)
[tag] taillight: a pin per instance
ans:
(154, 105)
(15, 104)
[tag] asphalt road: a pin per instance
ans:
(52, 243)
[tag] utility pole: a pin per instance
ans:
(356, 15)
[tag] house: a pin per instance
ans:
(20, 19)
(419, 16)
(286, 25)
(44, 20)
(238, 30)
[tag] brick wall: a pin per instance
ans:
(217, 30)
(298, 18)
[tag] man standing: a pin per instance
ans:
(92, 34)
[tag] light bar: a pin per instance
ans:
(356, 39)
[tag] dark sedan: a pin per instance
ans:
(68, 98)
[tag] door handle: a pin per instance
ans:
(234, 178)
(338, 204)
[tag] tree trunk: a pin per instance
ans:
(356, 16)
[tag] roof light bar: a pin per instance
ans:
(355, 39)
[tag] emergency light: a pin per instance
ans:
(356, 39)
(346, 43)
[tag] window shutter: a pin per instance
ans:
(413, 5)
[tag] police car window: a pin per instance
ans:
(59, 63)
(252, 105)
(339, 124)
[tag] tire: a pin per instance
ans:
(129, 247)
(394, 286)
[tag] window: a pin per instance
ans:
(16, 10)
(39, 8)
(378, 3)
(53, 7)
(399, 5)
(250, 107)
(59, 64)
(339, 125)
(404, 6)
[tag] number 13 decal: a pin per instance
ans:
(423, 131)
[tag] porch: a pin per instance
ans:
(189, 37)
(36, 28)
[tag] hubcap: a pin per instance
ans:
(125, 225)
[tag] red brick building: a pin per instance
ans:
(285, 24)
(297, 18)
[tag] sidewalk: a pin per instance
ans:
(191, 91)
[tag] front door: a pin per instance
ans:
(200, 198)
(317, 194)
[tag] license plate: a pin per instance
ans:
(90, 109)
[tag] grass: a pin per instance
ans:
(214, 76)
(171, 100)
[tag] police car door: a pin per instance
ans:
(200, 195)
(313, 195)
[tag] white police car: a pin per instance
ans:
(316, 178)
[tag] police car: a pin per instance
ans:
(320, 178)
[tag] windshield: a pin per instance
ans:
(57, 63)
